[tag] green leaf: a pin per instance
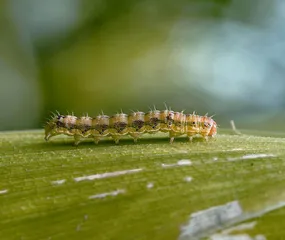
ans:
(53, 190)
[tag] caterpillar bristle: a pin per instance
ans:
(165, 105)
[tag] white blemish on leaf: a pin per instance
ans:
(106, 175)
(188, 179)
(231, 237)
(103, 195)
(149, 185)
(223, 236)
(58, 182)
(260, 237)
(182, 162)
(78, 227)
(252, 156)
(211, 218)
(168, 165)
(240, 227)
(3, 191)
(215, 159)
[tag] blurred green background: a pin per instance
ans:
(224, 57)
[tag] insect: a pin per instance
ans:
(135, 125)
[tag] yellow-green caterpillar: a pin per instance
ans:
(134, 125)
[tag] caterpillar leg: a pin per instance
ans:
(204, 136)
(47, 137)
(191, 136)
(174, 134)
(50, 134)
(116, 138)
(171, 136)
(135, 136)
(77, 140)
(96, 140)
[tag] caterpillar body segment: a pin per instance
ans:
(100, 127)
(135, 125)
(152, 122)
(118, 126)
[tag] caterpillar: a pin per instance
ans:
(135, 124)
